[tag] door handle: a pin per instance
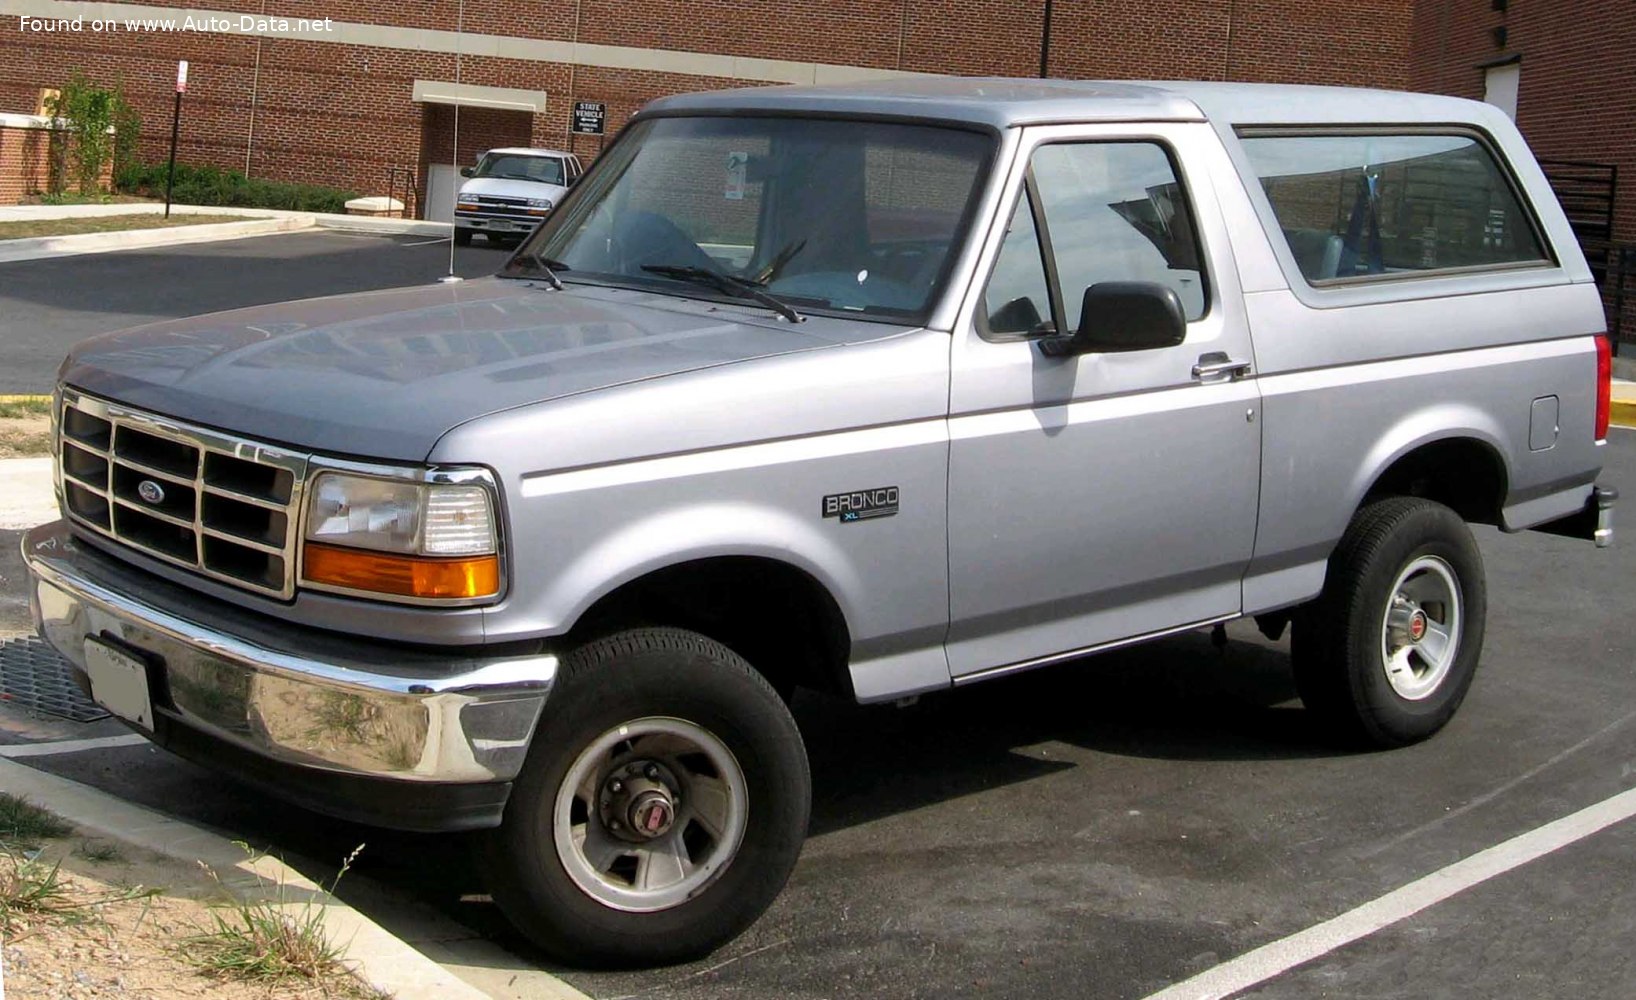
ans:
(1216, 365)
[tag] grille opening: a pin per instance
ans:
(81, 426)
(161, 536)
(249, 478)
(157, 453)
(83, 503)
(177, 499)
(255, 567)
(235, 517)
(84, 466)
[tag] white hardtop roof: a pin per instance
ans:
(1006, 103)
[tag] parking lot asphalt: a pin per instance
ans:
(51, 304)
(1099, 829)
(1106, 828)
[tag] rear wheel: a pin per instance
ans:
(1388, 651)
(663, 804)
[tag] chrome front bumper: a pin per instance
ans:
(291, 695)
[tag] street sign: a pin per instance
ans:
(181, 76)
(590, 117)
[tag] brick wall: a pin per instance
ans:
(341, 114)
(1577, 99)
(25, 161)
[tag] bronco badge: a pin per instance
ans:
(882, 501)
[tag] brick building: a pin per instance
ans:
(1566, 69)
(360, 90)
(344, 102)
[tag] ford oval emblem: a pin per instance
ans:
(150, 491)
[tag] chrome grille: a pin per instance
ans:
(218, 505)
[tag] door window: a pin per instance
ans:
(1093, 212)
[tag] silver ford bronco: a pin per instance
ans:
(875, 390)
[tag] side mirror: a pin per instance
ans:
(467, 171)
(1123, 316)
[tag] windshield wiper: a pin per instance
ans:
(742, 287)
(548, 268)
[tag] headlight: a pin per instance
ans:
(539, 203)
(399, 538)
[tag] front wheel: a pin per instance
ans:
(462, 237)
(1388, 651)
(662, 806)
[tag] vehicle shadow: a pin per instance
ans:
(1179, 698)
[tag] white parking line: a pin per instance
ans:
(70, 746)
(1280, 956)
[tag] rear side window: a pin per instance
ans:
(1392, 205)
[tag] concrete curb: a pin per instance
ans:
(43, 247)
(373, 955)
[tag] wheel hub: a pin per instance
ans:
(638, 801)
(1406, 622)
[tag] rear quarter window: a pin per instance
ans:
(1386, 204)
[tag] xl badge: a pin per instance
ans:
(859, 505)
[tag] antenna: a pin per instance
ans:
(454, 187)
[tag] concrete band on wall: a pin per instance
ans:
(449, 42)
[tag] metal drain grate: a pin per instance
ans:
(34, 676)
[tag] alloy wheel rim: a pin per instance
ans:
(649, 814)
(1420, 636)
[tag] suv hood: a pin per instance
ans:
(507, 188)
(383, 375)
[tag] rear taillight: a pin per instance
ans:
(1604, 386)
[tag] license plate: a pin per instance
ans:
(119, 682)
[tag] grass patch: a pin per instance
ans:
(25, 406)
(33, 890)
(99, 851)
(29, 887)
(271, 940)
(23, 822)
(109, 224)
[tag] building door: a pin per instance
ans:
(447, 145)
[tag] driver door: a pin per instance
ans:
(1104, 496)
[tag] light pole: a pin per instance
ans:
(459, 38)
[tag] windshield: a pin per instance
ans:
(850, 217)
(517, 167)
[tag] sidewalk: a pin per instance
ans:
(26, 494)
(266, 222)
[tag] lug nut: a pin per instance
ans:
(616, 786)
(652, 772)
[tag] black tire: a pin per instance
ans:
(462, 237)
(648, 674)
(1340, 647)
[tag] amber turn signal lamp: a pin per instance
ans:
(402, 576)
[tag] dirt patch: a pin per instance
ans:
(25, 436)
(110, 224)
(123, 924)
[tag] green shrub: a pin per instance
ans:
(215, 186)
(97, 125)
